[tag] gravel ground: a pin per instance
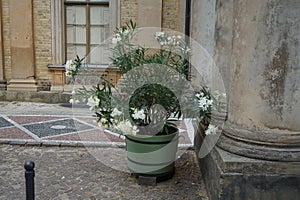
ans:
(73, 173)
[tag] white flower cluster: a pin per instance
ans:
(203, 102)
(138, 114)
(116, 38)
(93, 102)
(70, 68)
(126, 127)
(74, 101)
(103, 122)
(159, 34)
(211, 130)
(175, 40)
(119, 124)
(120, 34)
(116, 112)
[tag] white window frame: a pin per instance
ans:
(58, 27)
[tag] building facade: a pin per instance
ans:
(39, 36)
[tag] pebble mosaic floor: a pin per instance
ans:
(65, 129)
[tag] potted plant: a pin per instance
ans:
(153, 90)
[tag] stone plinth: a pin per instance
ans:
(22, 85)
(58, 78)
(229, 176)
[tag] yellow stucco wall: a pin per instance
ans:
(42, 30)
(42, 37)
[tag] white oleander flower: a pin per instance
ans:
(68, 73)
(211, 130)
(102, 109)
(69, 64)
(139, 114)
(103, 120)
(187, 50)
(205, 103)
(116, 112)
(126, 128)
(72, 101)
(116, 38)
(93, 102)
(159, 34)
(209, 102)
(103, 123)
(126, 32)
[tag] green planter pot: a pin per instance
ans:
(152, 155)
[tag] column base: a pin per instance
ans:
(22, 85)
(273, 145)
(230, 176)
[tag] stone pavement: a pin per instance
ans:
(76, 160)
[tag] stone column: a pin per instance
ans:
(22, 46)
(264, 106)
(257, 49)
(2, 69)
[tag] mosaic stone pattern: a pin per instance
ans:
(57, 127)
(4, 123)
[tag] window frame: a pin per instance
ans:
(58, 26)
(87, 5)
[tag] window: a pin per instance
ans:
(86, 28)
